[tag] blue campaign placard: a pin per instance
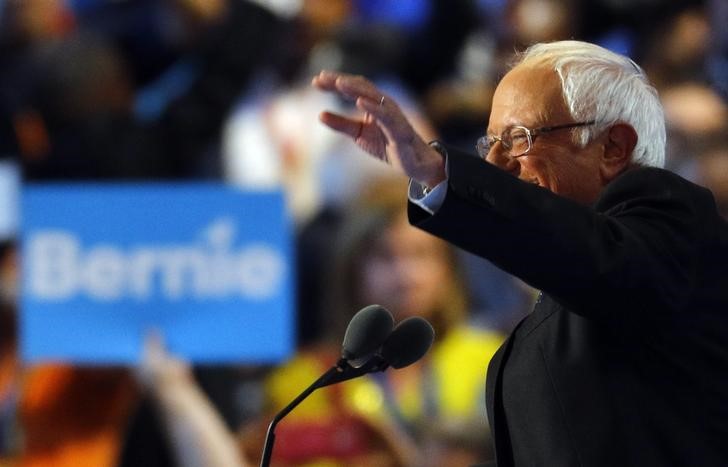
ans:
(206, 266)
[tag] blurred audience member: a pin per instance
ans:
(712, 171)
(274, 141)
(86, 117)
(422, 415)
(434, 39)
(232, 41)
(271, 142)
(56, 414)
(382, 259)
(197, 434)
(694, 108)
(718, 52)
(82, 106)
(627, 24)
(73, 416)
(678, 48)
(695, 115)
(533, 21)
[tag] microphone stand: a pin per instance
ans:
(342, 371)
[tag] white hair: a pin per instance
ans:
(601, 85)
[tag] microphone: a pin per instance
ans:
(371, 342)
(367, 331)
(409, 342)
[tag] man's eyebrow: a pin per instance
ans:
(489, 131)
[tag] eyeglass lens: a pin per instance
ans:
(515, 141)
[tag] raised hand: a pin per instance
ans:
(383, 131)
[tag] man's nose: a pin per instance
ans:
(500, 158)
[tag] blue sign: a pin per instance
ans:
(206, 266)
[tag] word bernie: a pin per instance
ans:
(60, 268)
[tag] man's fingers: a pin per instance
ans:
(325, 80)
(341, 124)
(391, 121)
(354, 87)
(387, 113)
(348, 86)
(379, 108)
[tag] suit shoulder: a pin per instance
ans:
(647, 175)
(652, 183)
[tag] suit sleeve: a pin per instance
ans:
(637, 249)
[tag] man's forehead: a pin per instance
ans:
(527, 95)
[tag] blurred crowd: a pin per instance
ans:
(151, 90)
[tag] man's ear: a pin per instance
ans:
(621, 141)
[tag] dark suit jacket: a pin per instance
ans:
(624, 359)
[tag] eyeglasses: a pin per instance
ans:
(517, 140)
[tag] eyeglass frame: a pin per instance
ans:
(483, 143)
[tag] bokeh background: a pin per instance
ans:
(219, 91)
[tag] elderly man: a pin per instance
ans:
(624, 359)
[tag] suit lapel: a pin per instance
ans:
(494, 384)
(494, 401)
